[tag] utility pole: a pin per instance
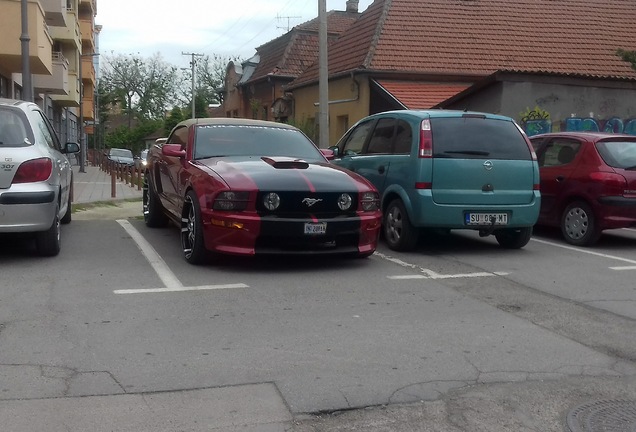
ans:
(323, 77)
(193, 63)
(27, 86)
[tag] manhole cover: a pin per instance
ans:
(603, 416)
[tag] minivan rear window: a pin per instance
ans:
(478, 138)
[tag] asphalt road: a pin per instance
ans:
(119, 333)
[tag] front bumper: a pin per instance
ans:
(250, 234)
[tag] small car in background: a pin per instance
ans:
(251, 187)
(446, 170)
(588, 183)
(121, 156)
(36, 178)
(142, 160)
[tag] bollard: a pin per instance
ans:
(113, 185)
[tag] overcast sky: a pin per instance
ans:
(224, 27)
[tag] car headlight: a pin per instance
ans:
(271, 201)
(344, 201)
(231, 201)
(370, 201)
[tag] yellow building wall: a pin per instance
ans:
(349, 100)
(40, 45)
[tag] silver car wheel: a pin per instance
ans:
(576, 223)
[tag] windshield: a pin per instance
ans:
(618, 154)
(13, 132)
(121, 153)
(251, 140)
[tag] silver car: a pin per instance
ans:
(36, 179)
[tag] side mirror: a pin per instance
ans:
(173, 150)
(335, 151)
(71, 147)
(328, 153)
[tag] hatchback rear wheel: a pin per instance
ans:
(48, 242)
(399, 233)
(578, 224)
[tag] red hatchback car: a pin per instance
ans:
(588, 183)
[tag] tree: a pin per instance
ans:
(144, 87)
(175, 116)
(210, 72)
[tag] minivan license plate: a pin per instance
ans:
(316, 228)
(486, 218)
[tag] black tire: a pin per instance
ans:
(194, 250)
(68, 215)
(399, 233)
(578, 224)
(513, 238)
(153, 211)
(48, 242)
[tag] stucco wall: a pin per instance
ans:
(348, 103)
(544, 107)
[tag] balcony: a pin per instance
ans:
(57, 82)
(88, 5)
(40, 45)
(88, 70)
(88, 108)
(88, 33)
(55, 11)
(72, 99)
(70, 33)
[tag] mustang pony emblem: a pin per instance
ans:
(311, 201)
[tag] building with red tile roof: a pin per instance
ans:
(557, 57)
(259, 90)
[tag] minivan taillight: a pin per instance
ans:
(35, 170)
(613, 184)
(426, 140)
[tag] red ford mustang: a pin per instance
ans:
(246, 187)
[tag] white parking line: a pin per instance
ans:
(175, 289)
(169, 279)
(589, 252)
(430, 274)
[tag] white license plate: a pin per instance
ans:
(486, 218)
(316, 228)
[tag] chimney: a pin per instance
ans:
(352, 6)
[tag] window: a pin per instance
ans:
(179, 136)
(356, 139)
(46, 131)
(559, 152)
(382, 137)
(342, 124)
(403, 138)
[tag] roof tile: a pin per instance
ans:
(479, 37)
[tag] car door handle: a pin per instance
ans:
(560, 178)
(381, 169)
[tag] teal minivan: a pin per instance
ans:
(446, 170)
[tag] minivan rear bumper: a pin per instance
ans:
(427, 213)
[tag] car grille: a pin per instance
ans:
(307, 204)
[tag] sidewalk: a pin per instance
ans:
(96, 185)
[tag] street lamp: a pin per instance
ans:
(82, 137)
